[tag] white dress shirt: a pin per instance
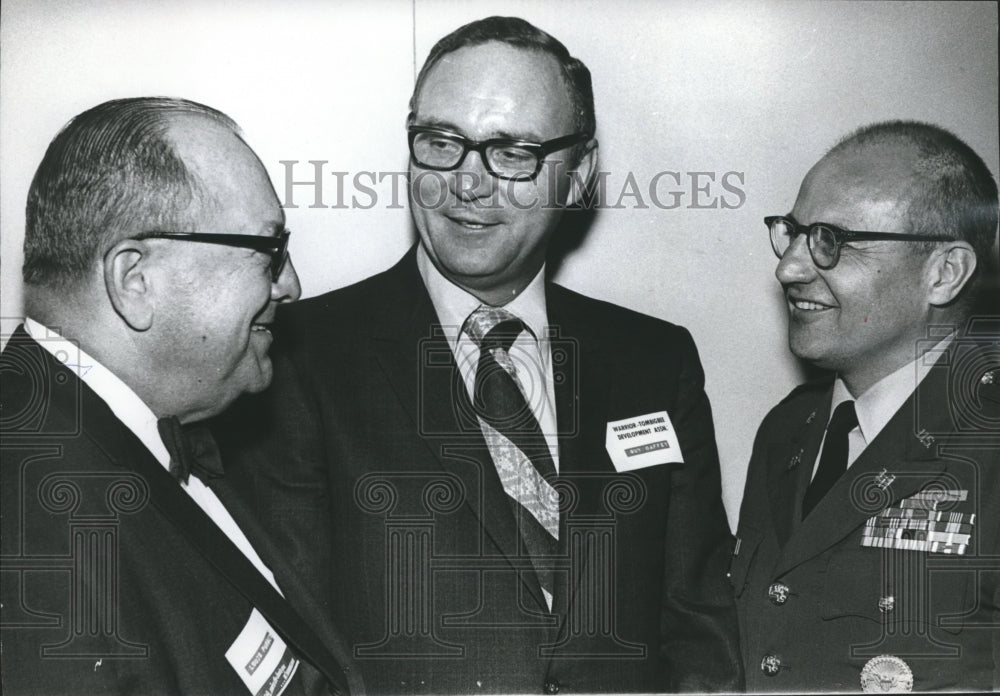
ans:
(879, 403)
(530, 353)
(137, 417)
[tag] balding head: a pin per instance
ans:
(941, 185)
(112, 172)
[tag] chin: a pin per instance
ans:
(805, 351)
(263, 381)
(255, 377)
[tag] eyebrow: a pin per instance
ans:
(499, 135)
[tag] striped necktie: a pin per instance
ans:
(515, 439)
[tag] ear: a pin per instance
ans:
(127, 281)
(583, 174)
(950, 270)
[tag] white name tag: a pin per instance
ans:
(635, 443)
(261, 658)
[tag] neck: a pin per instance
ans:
(859, 379)
(108, 340)
(495, 295)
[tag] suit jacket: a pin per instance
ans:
(816, 605)
(113, 579)
(378, 478)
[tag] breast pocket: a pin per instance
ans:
(897, 587)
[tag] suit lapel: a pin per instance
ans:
(294, 590)
(790, 468)
(417, 361)
(581, 431)
(123, 448)
(909, 458)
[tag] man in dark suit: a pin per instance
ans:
(868, 537)
(155, 258)
(502, 485)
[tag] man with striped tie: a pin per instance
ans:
(504, 486)
(870, 528)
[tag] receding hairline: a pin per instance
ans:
(553, 61)
(190, 135)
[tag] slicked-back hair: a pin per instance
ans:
(110, 172)
(953, 192)
(518, 33)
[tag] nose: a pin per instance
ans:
(286, 288)
(471, 180)
(796, 265)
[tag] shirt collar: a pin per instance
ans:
(880, 402)
(453, 304)
(123, 402)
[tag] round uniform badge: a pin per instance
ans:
(886, 674)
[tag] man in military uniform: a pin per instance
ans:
(868, 553)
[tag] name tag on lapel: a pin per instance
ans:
(261, 658)
(641, 441)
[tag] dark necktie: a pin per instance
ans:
(192, 450)
(833, 461)
(522, 458)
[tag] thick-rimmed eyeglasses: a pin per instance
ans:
(517, 160)
(824, 240)
(276, 247)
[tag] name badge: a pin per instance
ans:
(641, 441)
(261, 658)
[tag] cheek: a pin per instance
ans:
(525, 195)
(553, 184)
(239, 304)
(428, 189)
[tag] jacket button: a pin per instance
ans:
(778, 593)
(551, 687)
(770, 665)
(886, 604)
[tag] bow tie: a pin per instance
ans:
(192, 450)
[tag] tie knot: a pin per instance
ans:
(493, 327)
(845, 418)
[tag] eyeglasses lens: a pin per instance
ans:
(823, 246)
(781, 236)
(436, 150)
(439, 151)
(511, 162)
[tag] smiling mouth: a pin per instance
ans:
(808, 305)
(472, 224)
(261, 327)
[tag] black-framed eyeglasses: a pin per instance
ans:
(824, 240)
(276, 247)
(517, 160)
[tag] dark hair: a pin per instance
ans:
(110, 172)
(953, 192)
(518, 33)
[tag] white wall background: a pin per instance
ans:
(761, 88)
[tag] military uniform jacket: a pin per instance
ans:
(379, 479)
(112, 580)
(816, 605)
